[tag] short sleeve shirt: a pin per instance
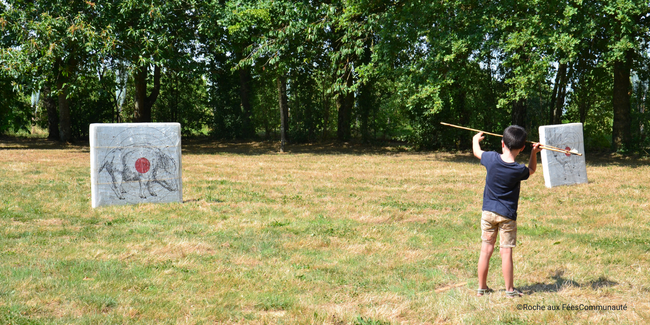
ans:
(502, 184)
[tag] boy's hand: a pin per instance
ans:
(536, 148)
(479, 137)
(532, 163)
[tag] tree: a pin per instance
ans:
(284, 110)
(55, 38)
(627, 24)
(183, 98)
(227, 29)
(610, 35)
(14, 113)
(150, 35)
(279, 40)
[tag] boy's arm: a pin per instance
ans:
(532, 162)
(476, 146)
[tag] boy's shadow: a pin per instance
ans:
(560, 282)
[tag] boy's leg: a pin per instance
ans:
(489, 230)
(507, 268)
(484, 264)
(508, 232)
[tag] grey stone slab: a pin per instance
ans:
(560, 168)
(133, 163)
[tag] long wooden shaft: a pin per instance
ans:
(470, 129)
(543, 146)
(556, 149)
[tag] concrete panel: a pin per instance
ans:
(559, 168)
(133, 163)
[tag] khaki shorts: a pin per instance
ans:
(490, 222)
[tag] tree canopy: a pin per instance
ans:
(318, 70)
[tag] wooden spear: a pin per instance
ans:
(543, 146)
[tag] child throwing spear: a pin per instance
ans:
(500, 202)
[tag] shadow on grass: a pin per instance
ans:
(560, 282)
(209, 146)
(605, 160)
(16, 143)
(458, 157)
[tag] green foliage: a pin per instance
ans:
(267, 113)
(408, 66)
(183, 99)
(15, 114)
(307, 104)
(92, 101)
(224, 101)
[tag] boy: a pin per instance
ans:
(500, 201)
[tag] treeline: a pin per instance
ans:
(303, 71)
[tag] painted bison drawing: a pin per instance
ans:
(146, 166)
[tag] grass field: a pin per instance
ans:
(320, 235)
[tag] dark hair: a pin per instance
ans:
(514, 137)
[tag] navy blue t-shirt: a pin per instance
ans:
(502, 184)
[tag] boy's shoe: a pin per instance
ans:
(514, 293)
(480, 292)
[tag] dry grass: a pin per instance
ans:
(324, 234)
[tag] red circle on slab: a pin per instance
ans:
(142, 165)
(568, 149)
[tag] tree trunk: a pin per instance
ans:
(519, 112)
(344, 103)
(366, 100)
(52, 114)
(65, 133)
(558, 105)
(365, 109)
(284, 110)
(460, 96)
(176, 113)
(141, 113)
(583, 108)
(326, 112)
(65, 130)
(244, 95)
(641, 107)
(621, 133)
(582, 90)
(519, 108)
(551, 108)
(144, 103)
